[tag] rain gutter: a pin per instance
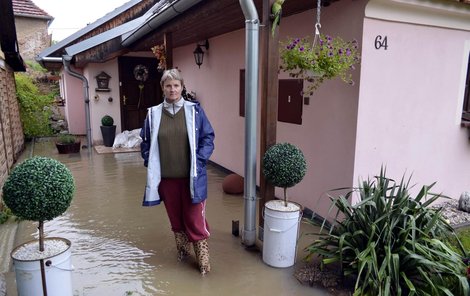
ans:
(251, 93)
(160, 16)
(66, 61)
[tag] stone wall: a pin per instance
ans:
(32, 36)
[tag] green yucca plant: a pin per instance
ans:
(392, 243)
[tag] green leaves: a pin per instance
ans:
(284, 165)
(39, 189)
(329, 58)
(34, 107)
(392, 243)
(107, 120)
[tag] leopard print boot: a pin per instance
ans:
(182, 245)
(201, 248)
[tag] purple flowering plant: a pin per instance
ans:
(329, 58)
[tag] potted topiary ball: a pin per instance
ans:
(283, 166)
(108, 130)
(40, 189)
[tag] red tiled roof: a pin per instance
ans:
(29, 9)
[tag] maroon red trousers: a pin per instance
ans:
(183, 214)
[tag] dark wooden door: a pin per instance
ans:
(139, 87)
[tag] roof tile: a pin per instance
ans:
(28, 8)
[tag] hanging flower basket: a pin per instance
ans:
(160, 52)
(329, 58)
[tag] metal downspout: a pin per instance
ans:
(66, 61)
(251, 94)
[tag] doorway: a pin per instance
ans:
(139, 87)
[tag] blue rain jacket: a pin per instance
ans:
(201, 143)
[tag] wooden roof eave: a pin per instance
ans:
(130, 14)
(206, 20)
(203, 21)
(8, 40)
(101, 53)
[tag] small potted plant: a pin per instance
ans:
(284, 166)
(40, 189)
(331, 57)
(67, 143)
(108, 130)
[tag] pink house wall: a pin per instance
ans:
(217, 88)
(99, 103)
(74, 104)
(410, 105)
(327, 133)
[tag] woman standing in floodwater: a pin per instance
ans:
(178, 139)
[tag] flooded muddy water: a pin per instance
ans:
(121, 248)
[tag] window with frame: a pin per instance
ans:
(466, 98)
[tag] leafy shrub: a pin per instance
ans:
(66, 139)
(464, 237)
(392, 243)
(5, 213)
(39, 189)
(284, 166)
(36, 66)
(107, 120)
(34, 108)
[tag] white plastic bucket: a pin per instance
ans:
(58, 270)
(281, 227)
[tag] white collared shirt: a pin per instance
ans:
(173, 108)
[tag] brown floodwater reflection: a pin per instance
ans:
(121, 248)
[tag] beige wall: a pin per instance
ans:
(32, 36)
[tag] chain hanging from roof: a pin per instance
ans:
(317, 24)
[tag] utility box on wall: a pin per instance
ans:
(289, 104)
(290, 99)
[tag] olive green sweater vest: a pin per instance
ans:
(174, 145)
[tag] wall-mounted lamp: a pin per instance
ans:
(199, 53)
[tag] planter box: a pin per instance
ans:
(68, 148)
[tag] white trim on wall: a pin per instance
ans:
(463, 77)
(439, 13)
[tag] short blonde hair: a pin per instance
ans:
(171, 74)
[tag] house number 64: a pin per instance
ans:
(381, 42)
